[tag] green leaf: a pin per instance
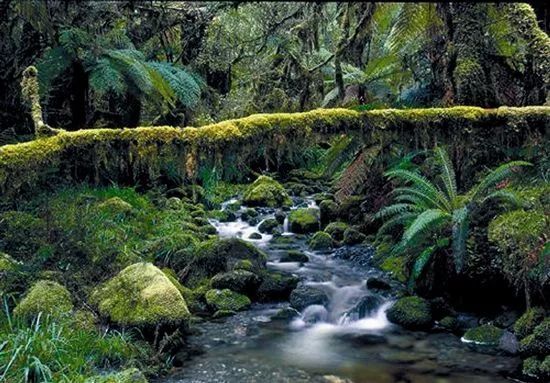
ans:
(448, 173)
(490, 180)
(427, 221)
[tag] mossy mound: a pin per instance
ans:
(265, 191)
(528, 321)
(140, 295)
(240, 281)
(221, 255)
(486, 335)
(115, 205)
(336, 230)
(47, 297)
(303, 221)
(222, 215)
(226, 300)
(131, 375)
(537, 367)
(320, 241)
(538, 343)
(353, 236)
(411, 312)
(328, 211)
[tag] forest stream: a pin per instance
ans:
(346, 339)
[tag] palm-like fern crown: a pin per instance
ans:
(423, 207)
(115, 66)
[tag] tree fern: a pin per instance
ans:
(185, 86)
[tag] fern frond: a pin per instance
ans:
(495, 176)
(183, 84)
(105, 78)
(460, 234)
(395, 209)
(447, 172)
(52, 65)
(130, 63)
(506, 196)
(401, 219)
(421, 261)
(412, 22)
(427, 221)
(356, 173)
(422, 184)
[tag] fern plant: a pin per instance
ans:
(424, 207)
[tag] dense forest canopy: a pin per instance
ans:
(130, 63)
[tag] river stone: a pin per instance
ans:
(280, 216)
(255, 236)
(265, 191)
(286, 314)
(377, 283)
(47, 297)
(402, 357)
(305, 296)
(276, 286)
(353, 236)
(268, 225)
(294, 256)
(328, 211)
(320, 241)
(303, 221)
(226, 300)
(366, 306)
(336, 230)
(241, 281)
(413, 313)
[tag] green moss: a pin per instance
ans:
(222, 215)
(294, 256)
(265, 191)
(227, 300)
(131, 375)
(244, 264)
(22, 234)
(336, 230)
(240, 281)
(305, 220)
(140, 295)
(396, 266)
(528, 321)
(483, 335)
(84, 320)
(116, 205)
(353, 236)
(47, 297)
(7, 263)
(538, 343)
(320, 241)
(411, 312)
(537, 367)
(268, 225)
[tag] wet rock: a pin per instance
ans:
(241, 281)
(336, 230)
(226, 300)
(366, 306)
(268, 225)
(280, 216)
(320, 241)
(353, 236)
(506, 319)
(222, 215)
(538, 343)
(303, 221)
(265, 191)
(255, 236)
(363, 339)
(350, 209)
(305, 296)
(286, 314)
(249, 214)
(413, 313)
(328, 212)
(359, 255)
(294, 256)
(508, 343)
(276, 286)
(378, 283)
(223, 313)
(440, 308)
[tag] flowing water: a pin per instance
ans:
(349, 339)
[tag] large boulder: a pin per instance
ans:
(485, 335)
(47, 297)
(265, 191)
(336, 230)
(268, 225)
(276, 286)
(411, 312)
(305, 220)
(328, 211)
(320, 241)
(140, 295)
(305, 296)
(221, 255)
(226, 300)
(353, 236)
(241, 281)
(294, 256)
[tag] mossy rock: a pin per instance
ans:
(537, 367)
(328, 211)
(320, 241)
(115, 205)
(276, 286)
(222, 215)
(353, 236)
(7, 263)
(255, 236)
(249, 213)
(240, 281)
(84, 320)
(265, 191)
(350, 209)
(485, 335)
(336, 230)
(396, 266)
(47, 297)
(131, 375)
(141, 295)
(303, 221)
(226, 300)
(268, 225)
(294, 256)
(221, 255)
(528, 321)
(411, 312)
(538, 343)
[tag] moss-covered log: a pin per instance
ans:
(142, 155)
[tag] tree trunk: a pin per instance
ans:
(79, 96)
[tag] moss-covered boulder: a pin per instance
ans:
(294, 256)
(353, 236)
(411, 312)
(528, 321)
(47, 297)
(222, 215)
(115, 205)
(276, 286)
(248, 214)
(303, 221)
(219, 256)
(131, 375)
(485, 335)
(336, 230)
(240, 281)
(538, 343)
(265, 191)
(268, 225)
(226, 300)
(305, 296)
(537, 367)
(328, 211)
(140, 295)
(320, 241)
